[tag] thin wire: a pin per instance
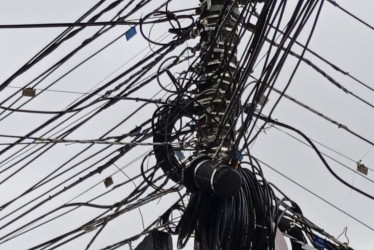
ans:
(316, 195)
(319, 155)
(62, 25)
(340, 125)
(350, 14)
(330, 157)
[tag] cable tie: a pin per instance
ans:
(342, 126)
(89, 228)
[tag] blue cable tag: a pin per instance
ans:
(239, 155)
(180, 155)
(138, 131)
(319, 243)
(130, 33)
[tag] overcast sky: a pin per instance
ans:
(339, 38)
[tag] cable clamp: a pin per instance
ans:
(342, 126)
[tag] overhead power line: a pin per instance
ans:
(64, 25)
(340, 125)
(334, 66)
(328, 156)
(206, 94)
(333, 2)
(267, 119)
(316, 195)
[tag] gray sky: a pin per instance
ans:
(338, 38)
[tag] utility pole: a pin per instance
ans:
(230, 206)
(216, 85)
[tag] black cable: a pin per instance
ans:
(350, 14)
(64, 75)
(99, 221)
(328, 156)
(57, 42)
(340, 125)
(60, 25)
(299, 61)
(319, 155)
(250, 214)
(316, 195)
(334, 66)
(71, 210)
(327, 76)
(271, 71)
(43, 181)
(81, 101)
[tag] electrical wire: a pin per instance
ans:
(333, 2)
(319, 155)
(316, 195)
(204, 97)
